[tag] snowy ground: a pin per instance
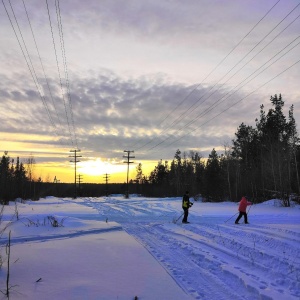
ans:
(116, 248)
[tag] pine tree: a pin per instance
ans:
(294, 142)
(176, 173)
(214, 177)
(139, 174)
(5, 179)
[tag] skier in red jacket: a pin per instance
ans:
(242, 209)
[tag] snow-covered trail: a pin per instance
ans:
(193, 267)
(211, 258)
(210, 263)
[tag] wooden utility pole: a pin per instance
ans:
(106, 177)
(56, 181)
(75, 161)
(128, 162)
(79, 176)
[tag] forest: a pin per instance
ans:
(262, 162)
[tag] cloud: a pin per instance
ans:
(138, 74)
(143, 112)
(111, 112)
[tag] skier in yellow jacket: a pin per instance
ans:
(186, 204)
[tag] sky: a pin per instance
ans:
(144, 76)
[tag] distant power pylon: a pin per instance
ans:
(79, 177)
(128, 162)
(106, 177)
(75, 161)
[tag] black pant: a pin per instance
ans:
(186, 214)
(240, 215)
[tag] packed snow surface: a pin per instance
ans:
(114, 248)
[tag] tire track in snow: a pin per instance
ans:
(273, 232)
(189, 257)
(205, 260)
(268, 239)
(210, 260)
(262, 241)
(57, 236)
(261, 255)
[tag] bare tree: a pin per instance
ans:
(227, 155)
(30, 166)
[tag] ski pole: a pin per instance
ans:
(231, 217)
(179, 218)
(249, 209)
(250, 206)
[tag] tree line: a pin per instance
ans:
(18, 183)
(262, 162)
(15, 179)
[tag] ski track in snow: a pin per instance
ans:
(29, 239)
(208, 258)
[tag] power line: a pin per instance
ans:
(245, 57)
(63, 50)
(211, 72)
(128, 157)
(31, 69)
(42, 65)
(75, 161)
(58, 69)
(240, 100)
(215, 104)
(230, 71)
(31, 66)
(203, 113)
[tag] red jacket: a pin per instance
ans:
(243, 204)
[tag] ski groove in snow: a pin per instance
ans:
(68, 235)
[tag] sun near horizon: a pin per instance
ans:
(55, 165)
(90, 171)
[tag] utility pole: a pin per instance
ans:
(79, 183)
(128, 162)
(75, 161)
(56, 181)
(106, 177)
(79, 179)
